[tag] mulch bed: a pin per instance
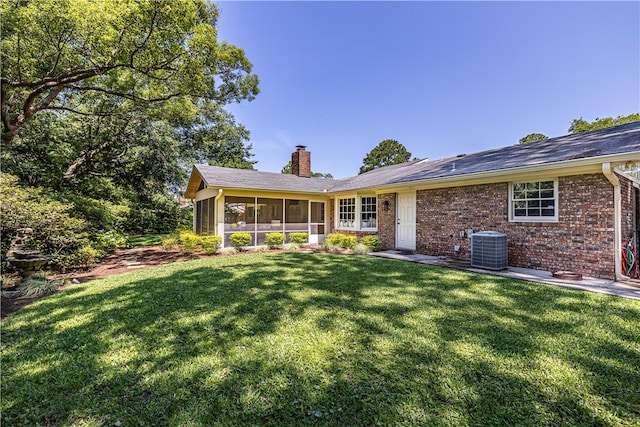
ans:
(120, 261)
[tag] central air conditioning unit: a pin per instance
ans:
(489, 250)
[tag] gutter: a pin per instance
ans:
(607, 170)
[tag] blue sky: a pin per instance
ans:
(442, 78)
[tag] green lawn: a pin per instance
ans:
(290, 339)
(146, 240)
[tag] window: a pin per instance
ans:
(534, 201)
(357, 213)
(347, 213)
(368, 212)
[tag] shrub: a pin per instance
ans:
(189, 240)
(228, 251)
(83, 257)
(274, 240)
(331, 248)
(361, 249)
(55, 231)
(341, 240)
(298, 237)
(373, 242)
(109, 241)
(169, 243)
(262, 248)
(291, 247)
(240, 240)
(36, 288)
(210, 243)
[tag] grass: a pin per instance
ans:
(147, 240)
(293, 339)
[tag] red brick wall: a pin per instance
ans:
(387, 220)
(301, 163)
(581, 240)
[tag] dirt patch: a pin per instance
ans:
(120, 261)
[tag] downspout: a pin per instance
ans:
(607, 170)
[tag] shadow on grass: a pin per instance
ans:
(310, 339)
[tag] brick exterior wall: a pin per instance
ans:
(387, 220)
(581, 240)
(301, 163)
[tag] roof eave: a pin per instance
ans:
(563, 168)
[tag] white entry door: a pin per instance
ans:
(406, 221)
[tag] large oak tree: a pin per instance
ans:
(57, 53)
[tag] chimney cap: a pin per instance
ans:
(300, 147)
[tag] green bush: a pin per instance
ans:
(373, 242)
(36, 287)
(55, 231)
(83, 257)
(361, 249)
(108, 241)
(274, 240)
(240, 240)
(210, 243)
(189, 240)
(341, 240)
(170, 242)
(299, 237)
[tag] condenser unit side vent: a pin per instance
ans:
(489, 250)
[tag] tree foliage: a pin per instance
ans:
(108, 104)
(286, 169)
(581, 125)
(57, 54)
(55, 230)
(386, 153)
(533, 137)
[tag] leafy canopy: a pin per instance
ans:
(533, 137)
(388, 152)
(286, 169)
(58, 53)
(581, 125)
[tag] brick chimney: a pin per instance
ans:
(301, 162)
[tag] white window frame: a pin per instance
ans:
(541, 218)
(357, 221)
(375, 204)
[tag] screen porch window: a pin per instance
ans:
(534, 201)
(347, 213)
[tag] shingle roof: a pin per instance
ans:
(603, 142)
(593, 144)
(256, 180)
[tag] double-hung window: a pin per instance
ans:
(347, 212)
(356, 213)
(533, 201)
(368, 212)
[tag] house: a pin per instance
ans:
(567, 203)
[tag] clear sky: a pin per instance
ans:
(442, 78)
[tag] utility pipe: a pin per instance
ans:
(608, 172)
